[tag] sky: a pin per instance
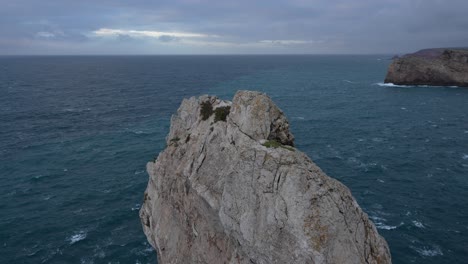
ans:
(105, 27)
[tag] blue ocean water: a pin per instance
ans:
(76, 133)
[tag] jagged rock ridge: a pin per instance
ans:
(231, 188)
(436, 67)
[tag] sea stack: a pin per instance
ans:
(230, 187)
(435, 67)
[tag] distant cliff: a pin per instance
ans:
(437, 67)
(230, 187)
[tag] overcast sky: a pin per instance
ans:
(230, 27)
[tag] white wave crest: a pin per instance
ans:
(385, 227)
(398, 85)
(136, 207)
(428, 251)
(78, 236)
(418, 224)
(380, 223)
(390, 85)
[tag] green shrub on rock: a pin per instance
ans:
(221, 113)
(206, 110)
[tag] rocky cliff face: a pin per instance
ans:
(438, 67)
(231, 188)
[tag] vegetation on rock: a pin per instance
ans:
(206, 110)
(276, 144)
(221, 113)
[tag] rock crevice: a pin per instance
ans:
(223, 196)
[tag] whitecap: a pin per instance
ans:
(403, 108)
(380, 223)
(76, 110)
(390, 85)
(385, 227)
(146, 251)
(299, 117)
(398, 85)
(381, 181)
(78, 236)
(418, 224)
(465, 156)
(377, 218)
(428, 251)
(136, 207)
(139, 172)
(348, 81)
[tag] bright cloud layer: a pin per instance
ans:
(289, 42)
(147, 33)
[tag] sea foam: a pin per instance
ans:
(429, 252)
(78, 236)
(398, 85)
(418, 224)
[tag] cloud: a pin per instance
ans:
(45, 34)
(103, 32)
(167, 38)
(289, 42)
(241, 26)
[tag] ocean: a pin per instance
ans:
(77, 131)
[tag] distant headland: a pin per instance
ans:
(435, 67)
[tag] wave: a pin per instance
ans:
(76, 110)
(137, 132)
(399, 85)
(380, 223)
(385, 227)
(78, 236)
(418, 224)
(136, 207)
(348, 81)
(390, 85)
(429, 252)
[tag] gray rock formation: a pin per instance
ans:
(437, 67)
(231, 188)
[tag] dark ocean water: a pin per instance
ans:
(76, 133)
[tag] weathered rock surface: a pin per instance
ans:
(217, 194)
(437, 67)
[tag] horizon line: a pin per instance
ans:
(203, 54)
